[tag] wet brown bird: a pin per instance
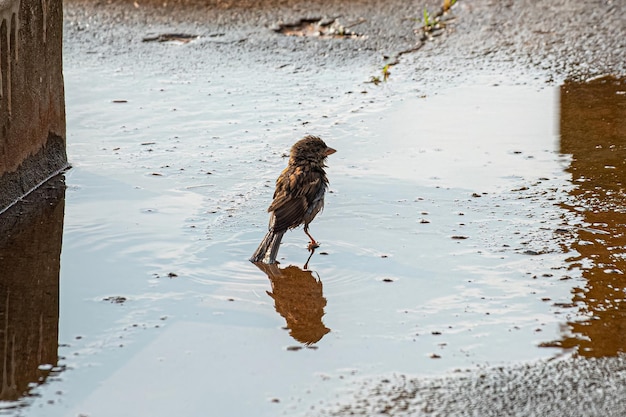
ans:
(298, 197)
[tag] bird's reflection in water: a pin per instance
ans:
(298, 297)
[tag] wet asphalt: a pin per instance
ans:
(546, 41)
(573, 387)
(553, 40)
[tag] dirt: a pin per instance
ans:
(466, 246)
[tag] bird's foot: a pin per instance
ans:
(312, 246)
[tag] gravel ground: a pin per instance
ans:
(572, 387)
(552, 40)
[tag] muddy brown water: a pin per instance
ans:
(469, 225)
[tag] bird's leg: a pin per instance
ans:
(313, 244)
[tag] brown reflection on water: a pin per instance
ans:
(298, 297)
(593, 131)
(30, 248)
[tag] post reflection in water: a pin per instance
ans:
(30, 248)
(593, 131)
(298, 297)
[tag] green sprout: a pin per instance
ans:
(386, 72)
(428, 23)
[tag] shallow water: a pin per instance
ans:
(452, 238)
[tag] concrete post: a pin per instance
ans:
(32, 106)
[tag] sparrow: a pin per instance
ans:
(298, 197)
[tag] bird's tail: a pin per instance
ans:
(268, 249)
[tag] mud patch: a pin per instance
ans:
(319, 27)
(170, 37)
(115, 299)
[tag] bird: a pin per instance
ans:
(298, 197)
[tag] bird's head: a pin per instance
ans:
(311, 149)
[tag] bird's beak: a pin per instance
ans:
(329, 151)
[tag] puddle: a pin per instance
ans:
(454, 232)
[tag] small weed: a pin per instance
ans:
(386, 72)
(435, 22)
(374, 80)
(432, 25)
(429, 23)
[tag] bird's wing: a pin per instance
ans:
(296, 189)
